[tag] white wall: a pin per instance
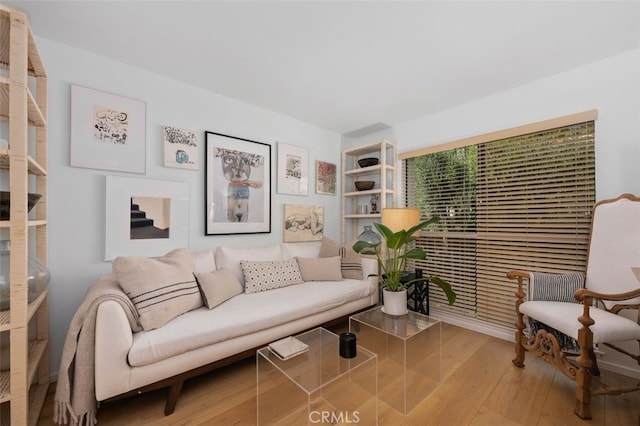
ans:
(612, 86)
(77, 195)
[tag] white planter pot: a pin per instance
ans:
(394, 302)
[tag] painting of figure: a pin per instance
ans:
(238, 182)
(237, 168)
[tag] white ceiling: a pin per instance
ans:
(343, 65)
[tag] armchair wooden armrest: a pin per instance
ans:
(584, 293)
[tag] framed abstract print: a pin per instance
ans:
(108, 131)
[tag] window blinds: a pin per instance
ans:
(522, 202)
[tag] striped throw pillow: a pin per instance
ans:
(555, 287)
(160, 288)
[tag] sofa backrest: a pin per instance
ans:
(305, 249)
(230, 257)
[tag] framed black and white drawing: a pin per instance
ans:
(108, 131)
(293, 169)
(145, 217)
(180, 148)
(303, 223)
(237, 185)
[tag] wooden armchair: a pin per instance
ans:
(614, 249)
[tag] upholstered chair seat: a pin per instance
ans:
(608, 327)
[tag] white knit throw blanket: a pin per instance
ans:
(75, 399)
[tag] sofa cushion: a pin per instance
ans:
(351, 264)
(218, 286)
(304, 249)
(242, 315)
(262, 275)
(203, 261)
(328, 248)
(320, 269)
(230, 257)
(160, 288)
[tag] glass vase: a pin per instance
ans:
(369, 235)
(37, 280)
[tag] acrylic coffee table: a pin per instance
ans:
(317, 386)
(408, 349)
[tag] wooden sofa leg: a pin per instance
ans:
(172, 398)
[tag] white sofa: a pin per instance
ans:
(128, 363)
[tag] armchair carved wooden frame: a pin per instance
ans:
(614, 249)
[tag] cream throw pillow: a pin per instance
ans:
(269, 274)
(328, 248)
(320, 269)
(351, 264)
(218, 286)
(160, 288)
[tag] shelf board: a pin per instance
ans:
(34, 114)
(34, 66)
(362, 216)
(36, 352)
(37, 349)
(370, 192)
(367, 149)
(32, 308)
(39, 222)
(370, 170)
(34, 168)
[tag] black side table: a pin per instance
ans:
(417, 292)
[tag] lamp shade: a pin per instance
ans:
(400, 218)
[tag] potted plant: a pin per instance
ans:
(392, 254)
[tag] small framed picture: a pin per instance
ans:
(325, 178)
(293, 170)
(180, 148)
(303, 223)
(108, 131)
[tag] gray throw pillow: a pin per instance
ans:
(218, 286)
(320, 268)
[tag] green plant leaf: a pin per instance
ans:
(416, 253)
(361, 245)
(424, 224)
(383, 230)
(446, 287)
(397, 239)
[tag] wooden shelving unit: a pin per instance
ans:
(23, 104)
(384, 175)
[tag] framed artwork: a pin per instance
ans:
(293, 169)
(108, 131)
(180, 148)
(237, 185)
(325, 178)
(303, 223)
(145, 217)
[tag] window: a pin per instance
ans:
(518, 202)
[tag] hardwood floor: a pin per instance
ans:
(479, 387)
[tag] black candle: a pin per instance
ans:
(348, 345)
